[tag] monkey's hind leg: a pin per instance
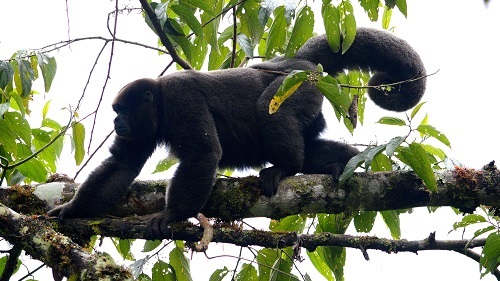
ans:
(327, 157)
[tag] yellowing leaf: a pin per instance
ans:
(278, 100)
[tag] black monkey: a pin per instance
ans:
(220, 119)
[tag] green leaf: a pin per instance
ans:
(331, 21)
(393, 144)
(202, 5)
(330, 88)
(387, 120)
(45, 109)
(6, 74)
(150, 245)
(319, 263)
(180, 265)
(401, 4)
(469, 220)
(266, 258)
(334, 223)
(48, 65)
(143, 277)
(211, 25)
(490, 256)
(277, 33)
(416, 157)
(264, 14)
(7, 138)
(3, 261)
(48, 155)
(348, 24)
(123, 247)
(34, 170)
(165, 164)
(58, 144)
(282, 268)
(219, 274)
(371, 8)
(293, 223)
(302, 31)
(253, 20)
(372, 152)
(431, 131)
(23, 77)
(34, 65)
(391, 219)
(173, 28)
(435, 151)
(49, 123)
(163, 271)
(160, 12)
(247, 273)
(181, 40)
(187, 15)
(334, 257)
(19, 102)
(18, 125)
(416, 109)
(290, 84)
(216, 59)
(364, 221)
(245, 44)
(386, 18)
(381, 163)
(78, 131)
(390, 3)
(482, 231)
(352, 165)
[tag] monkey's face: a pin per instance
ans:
(122, 127)
(136, 117)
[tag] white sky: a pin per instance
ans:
(461, 39)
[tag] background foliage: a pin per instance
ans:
(258, 30)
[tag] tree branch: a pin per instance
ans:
(135, 228)
(237, 198)
(475, 256)
(36, 236)
(163, 38)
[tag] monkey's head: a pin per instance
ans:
(136, 109)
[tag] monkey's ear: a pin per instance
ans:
(148, 96)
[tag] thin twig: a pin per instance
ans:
(108, 74)
(93, 153)
(233, 53)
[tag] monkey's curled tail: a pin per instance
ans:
(389, 57)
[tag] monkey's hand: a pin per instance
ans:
(159, 223)
(67, 210)
(270, 178)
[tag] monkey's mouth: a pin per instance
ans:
(122, 132)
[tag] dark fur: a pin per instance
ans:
(220, 119)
